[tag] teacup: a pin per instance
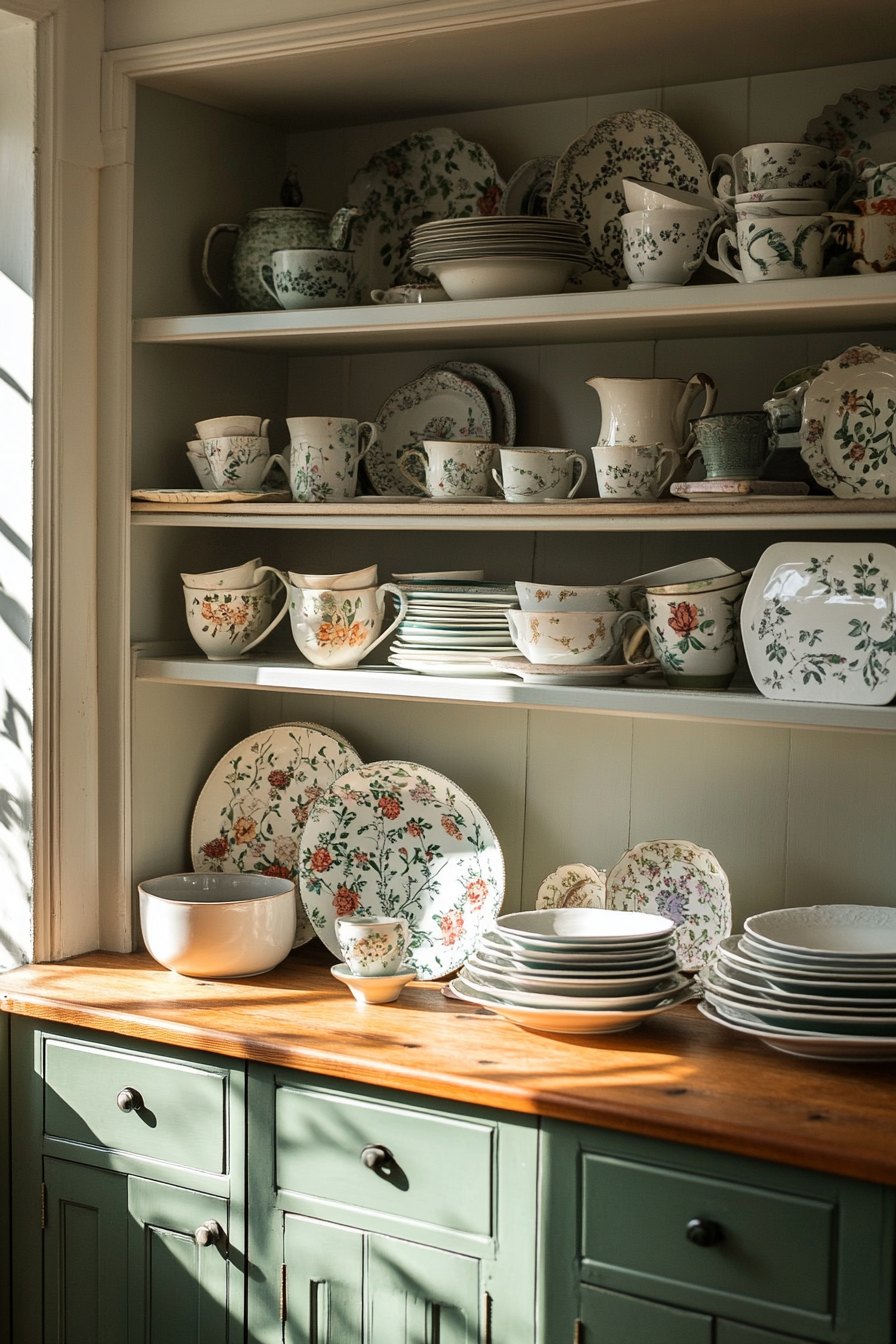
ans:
(529, 475)
(780, 209)
(199, 463)
(238, 463)
(634, 470)
(879, 179)
(336, 628)
(773, 249)
(372, 944)
(734, 444)
(779, 166)
(694, 635)
(321, 462)
(308, 277)
(867, 242)
(665, 247)
(877, 205)
(228, 622)
(353, 578)
(570, 638)
(238, 576)
(641, 195)
(562, 597)
(232, 426)
(422, 293)
(453, 469)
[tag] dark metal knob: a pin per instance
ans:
(210, 1233)
(374, 1156)
(129, 1099)
(704, 1232)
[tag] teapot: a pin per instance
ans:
(649, 410)
(264, 232)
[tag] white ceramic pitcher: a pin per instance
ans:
(649, 410)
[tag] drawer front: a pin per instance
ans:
(182, 1119)
(439, 1172)
(610, 1316)
(776, 1248)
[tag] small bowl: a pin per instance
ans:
(565, 597)
(357, 578)
(655, 196)
(571, 638)
(443, 576)
(218, 925)
(373, 989)
(688, 572)
(503, 277)
(232, 426)
(239, 576)
(702, 585)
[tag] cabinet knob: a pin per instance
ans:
(374, 1156)
(704, 1232)
(129, 1099)
(210, 1233)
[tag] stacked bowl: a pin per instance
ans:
(665, 233)
(817, 981)
(570, 633)
(453, 628)
(580, 971)
(499, 256)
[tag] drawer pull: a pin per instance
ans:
(129, 1099)
(210, 1234)
(374, 1156)
(704, 1232)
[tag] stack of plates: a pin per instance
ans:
(581, 971)
(817, 981)
(454, 629)
(501, 255)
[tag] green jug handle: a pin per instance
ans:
(206, 252)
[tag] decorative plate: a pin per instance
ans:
(818, 623)
(211, 497)
(497, 392)
(588, 183)
(437, 405)
(682, 881)
(572, 884)
(528, 190)
(430, 175)
(550, 674)
(860, 127)
(250, 815)
(395, 838)
(812, 1045)
(848, 434)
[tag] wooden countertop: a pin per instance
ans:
(678, 1077)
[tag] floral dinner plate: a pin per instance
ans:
(861, 126)
(682, 881)
(848, 434)
(528, 190)
(437, 405)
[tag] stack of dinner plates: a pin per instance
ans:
(817, 981)
(454, 629)
(500, 255)
(573, 970)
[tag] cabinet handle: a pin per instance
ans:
(704, 1232)
(374, 1156)
(129, 1099)
(210, 1233)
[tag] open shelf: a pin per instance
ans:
(860, 302)
(283, 672)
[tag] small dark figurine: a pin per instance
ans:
(291, 192)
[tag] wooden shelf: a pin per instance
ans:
(729, 309)
(284, 672)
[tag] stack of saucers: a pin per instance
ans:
(817, 981)
(494, 257)
(581, 971)
(454, 629)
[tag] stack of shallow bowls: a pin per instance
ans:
(581, 971)
(496, 257)
(453, 628)
(818, 981)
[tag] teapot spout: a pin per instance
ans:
(341, 226)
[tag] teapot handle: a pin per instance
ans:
(206, 252)
(266, 276)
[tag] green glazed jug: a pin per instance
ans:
(263, 232)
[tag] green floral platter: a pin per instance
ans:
(438, 404)
(848, 433)
(398, 839)
(818, 622)
(683, 882)
(251, 813)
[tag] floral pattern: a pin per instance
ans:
(234, 461)
(848, 434)
(233, 619)
(573, 885)
(671, 254)
(397, 839)
(251, 813)
(685, 883)
(326, 469)
(369, 950)
(437, 405)
(634, 474)
(321, 280)
(859, 127)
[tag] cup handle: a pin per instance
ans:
(268, 466)
(577, 459)
(498, 481)
(371, 439)
(259, 574)
(206, 253)
(632, 644)
(727, 241)
(402, 611)
(723, 162)
(378, 296)
(265, 426)
(674, 460)
(266, 275)
(409, 474)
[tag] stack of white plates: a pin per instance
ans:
(454, 629)
(581, 971)
(498, 256)
(818, 981)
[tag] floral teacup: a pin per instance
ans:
(660, 247)
(228, 622)
(336, 628)
(789, 248)
(309, 277)
(634, 470)
(372, 944)
(530, 475)
(199, 463)
(239, 463)
(694, 635)
(238, 576)
(570, 638)
(565, 597)
(322, 460)
(453, 470)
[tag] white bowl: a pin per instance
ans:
(838, 931)
(654, 196)
(565, 597)
(239, 576)
(230, 426)
(699, 586)
(358, 578)
(218, 925)
(566, 638)
(707, 568)
(372, 988)
(591, 926)
(503, 277)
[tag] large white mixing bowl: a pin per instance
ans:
(218, 925)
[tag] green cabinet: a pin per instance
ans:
(85, 1261)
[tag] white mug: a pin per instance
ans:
(228, 622)
(529, 475)
(199, 463)
(336, 628)
(789, 248)
(453, 469)
(240, 463)
(665, 247)
(322, 460)
(634, 470)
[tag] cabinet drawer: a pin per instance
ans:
(629, 1320)
(439, 1171)
(181, 1117)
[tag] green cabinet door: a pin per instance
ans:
(85, 1254)
(324, 1282)
(614, 1318)
(418, 1295)
(179, 1291)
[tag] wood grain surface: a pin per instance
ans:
(678, 1077)
(567, 508)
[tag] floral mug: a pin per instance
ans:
(530, 475)
(336, 628)
(694, 635)
(453, 469)
(634, 470)
(228, 622)
(372, 944)
(322, 460)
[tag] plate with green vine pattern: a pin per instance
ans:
(848, 434)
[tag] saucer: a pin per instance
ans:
(373, 988)
(556, 674)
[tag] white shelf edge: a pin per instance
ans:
(280, 673)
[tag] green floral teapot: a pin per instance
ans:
(263, 232)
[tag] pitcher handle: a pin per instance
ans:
(206, 253)
(402, 612)
(266, 276)
(409, 474)
(371, 439)
(674, 461)
(269, 569)
(577, 459)
(498, 481)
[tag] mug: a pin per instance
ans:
(867, 243)
(634, 470)
(665, 247)
(780, 166)
(337, 628)
(735, 444)
(529, 475)
(773, 249)
(237, 576)
(694, 635)
(199, 462)
(228, 622)
(322, 460)
(308, 277)
(372, 944)
(880, 180)
(239, 463)
(454, 469)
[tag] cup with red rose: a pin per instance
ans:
(693, 631)
(372, 944)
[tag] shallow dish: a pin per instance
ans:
(594, 928)
(815, 961)
(570, 982)
(552, 674)
(218, 925)
(619, 969)
(839, 1048)
(810, 1024)
(735, 951)
(763, 1001)
(820, 992)
(456, 575)
(473, 981)
(654, 196)
(503, 277)
(568, 1022)
(373, 989)
(844, 931)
